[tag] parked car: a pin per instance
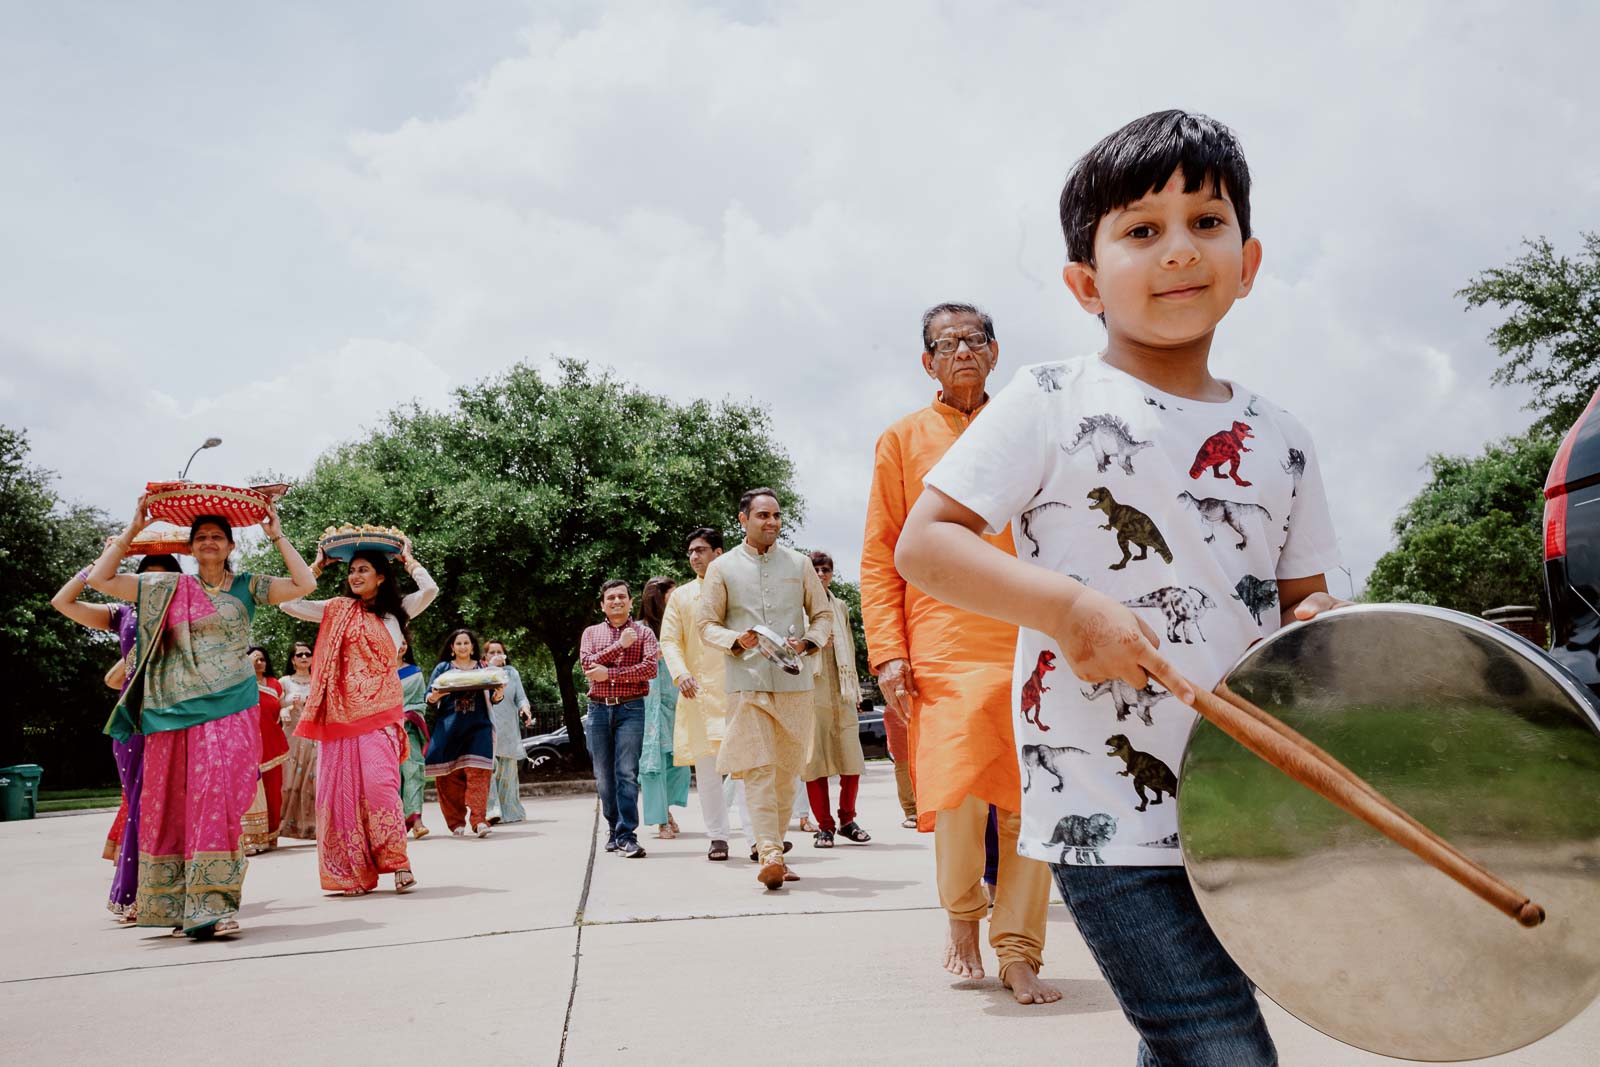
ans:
(548, 753)
(874, 741)
(1572, 548)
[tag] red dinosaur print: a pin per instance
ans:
(1222, 449)
(1034, 689)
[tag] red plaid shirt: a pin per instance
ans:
(631, 668)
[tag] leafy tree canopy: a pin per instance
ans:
(1551, 338)
(1471, 539)
(52, 666)
(530, 492)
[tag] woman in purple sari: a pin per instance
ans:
(122, 844)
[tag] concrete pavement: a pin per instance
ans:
(534, 943)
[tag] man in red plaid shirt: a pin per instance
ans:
(619, 659)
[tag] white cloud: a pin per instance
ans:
(760, 203)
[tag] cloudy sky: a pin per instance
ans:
(275, 222)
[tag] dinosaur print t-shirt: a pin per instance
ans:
(1186, 511)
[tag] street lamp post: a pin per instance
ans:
(210, 442)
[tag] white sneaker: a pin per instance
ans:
(482, 829)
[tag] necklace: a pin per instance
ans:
(214, 589)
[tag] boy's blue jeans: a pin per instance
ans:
(1177, 985)
(615, 733)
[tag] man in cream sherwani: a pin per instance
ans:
(770, 724)
(698, 673)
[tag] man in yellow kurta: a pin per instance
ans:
(702, 702)
(948, 673)
(770, 722)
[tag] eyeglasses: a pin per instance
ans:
(975, 342)
(302, 655)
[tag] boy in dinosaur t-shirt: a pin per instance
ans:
(1160, 506)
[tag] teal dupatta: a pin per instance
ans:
(190, 662)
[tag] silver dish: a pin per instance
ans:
(774, 648)
(1483, 739)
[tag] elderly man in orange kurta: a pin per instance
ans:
(948, 673)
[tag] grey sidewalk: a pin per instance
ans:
(671, 960)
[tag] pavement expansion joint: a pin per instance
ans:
(577, 920)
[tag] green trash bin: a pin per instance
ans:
(19, 791)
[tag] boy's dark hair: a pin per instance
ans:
(709, 534)
(1138, 159)
(610, 584)
(750, 495)
(953, 309)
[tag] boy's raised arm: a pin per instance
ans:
(940, 551)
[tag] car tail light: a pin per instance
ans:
(1555, 525)
(1555, 489)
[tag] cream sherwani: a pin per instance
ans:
(702, 718)
(770, 724)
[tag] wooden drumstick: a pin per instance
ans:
(1294, 755)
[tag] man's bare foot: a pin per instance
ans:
(961, 956)
(1025, 986)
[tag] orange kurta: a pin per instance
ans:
(960, 735)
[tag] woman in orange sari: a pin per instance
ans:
(356, 715)
(261, 821)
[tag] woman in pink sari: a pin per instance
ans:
(356, 714)
(192, 693)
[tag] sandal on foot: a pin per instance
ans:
(353, 893)
(806, 825)
(909, 822)
(420, 831)
(823, 839)
(787, 845)
(852, 831)
(719, 851)
(482, 829)
(458, 831)
(404, 881)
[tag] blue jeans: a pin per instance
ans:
(1188, 1000)
(615, 734)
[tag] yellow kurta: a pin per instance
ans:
(960, 735)
(701, 720)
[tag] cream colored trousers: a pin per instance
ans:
(769, 793)
(1022, 885)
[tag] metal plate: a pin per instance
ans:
(1483, 739)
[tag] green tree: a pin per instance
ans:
(56, 702)
(1551, 338)
(1472, 538)
(532, 490)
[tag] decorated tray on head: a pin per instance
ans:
(158, 539)
(343, 542)
(458, 681)
(183, 502)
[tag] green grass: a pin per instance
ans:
(78, 799)
(1464, 774)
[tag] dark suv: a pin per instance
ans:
(1572, 548)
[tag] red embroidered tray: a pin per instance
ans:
(183, 502)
